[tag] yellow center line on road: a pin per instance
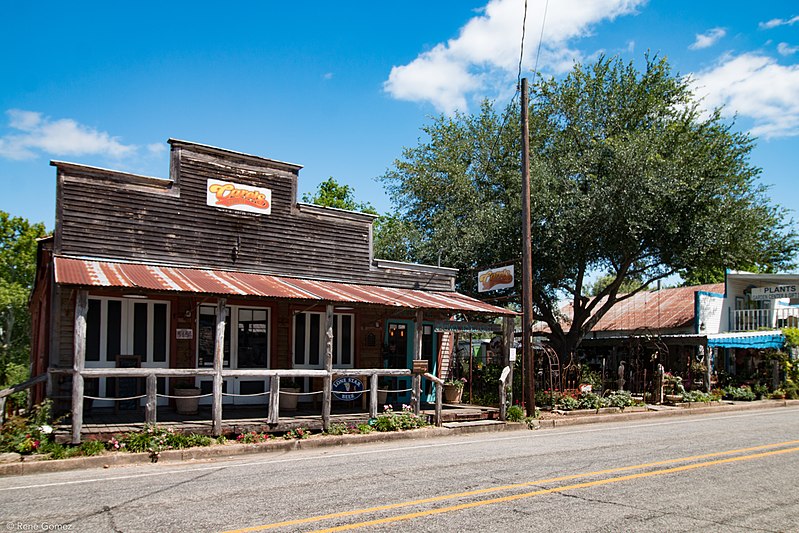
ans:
(444, 497)
(587, 484)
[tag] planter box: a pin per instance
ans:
(288, 402)
(452, 393)
(187, 406)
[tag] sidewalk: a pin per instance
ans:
(28, 467)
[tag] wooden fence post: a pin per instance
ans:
(219, 360)
(78, 362)
(274, 400)
(416, 393)
(151, 416)
(373, 384)
(439, 401)
(327, 399)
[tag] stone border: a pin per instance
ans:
(205, 453)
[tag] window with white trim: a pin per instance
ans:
(248, 347)
(127, 327)
(309, 340)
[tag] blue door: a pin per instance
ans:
(399, 342)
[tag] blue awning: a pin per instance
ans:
(767, 339)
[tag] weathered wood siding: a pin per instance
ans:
(106, 214)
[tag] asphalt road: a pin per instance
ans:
(724, 472)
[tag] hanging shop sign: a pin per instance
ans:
(347, 388)
(238, 197)
(775, 293)
(495, 279)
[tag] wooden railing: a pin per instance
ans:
(5, 393)
(439, 383)
(151, 375)
(755, 319)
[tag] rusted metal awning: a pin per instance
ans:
(108, 274)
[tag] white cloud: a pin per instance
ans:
(754, 86)
(786, 50)
(708, 39)
(156, 148)
(487, 49)
(327, 76)
(773, 23)
(36, 134)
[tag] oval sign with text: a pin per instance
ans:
(347, 388)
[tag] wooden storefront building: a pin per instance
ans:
(218, 278)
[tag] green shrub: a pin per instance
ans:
(620, 398)
(337, 428)
(741, 394)
(568, 403)
(26, 435)
(195, 440)
(405, 419)
(515, 413)
(252, 437)
(364, 428)
(91, 447)
(697, 396)
(297, 433)
(760, 391)
(590, 400)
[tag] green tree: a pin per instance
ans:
(628, 285)
(629, 178)
(331, 193)
(394, 238)
(17, 271)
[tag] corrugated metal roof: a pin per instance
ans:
(95, 273)
(664, 309)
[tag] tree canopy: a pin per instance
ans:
(17, 272)
(629, 178)
(331, 193)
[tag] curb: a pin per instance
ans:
(222, 452)
(219, 452)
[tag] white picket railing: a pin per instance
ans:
(756, 319)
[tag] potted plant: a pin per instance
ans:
(453, 390)
(383, 386)
(288, 402)
(189, 405)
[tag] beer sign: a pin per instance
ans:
(238, 197)
(495, 279)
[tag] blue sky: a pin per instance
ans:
(342, 87)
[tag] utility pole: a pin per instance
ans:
(527, 261)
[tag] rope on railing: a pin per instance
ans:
(198, 396)
(247, 395)
(116, 399)
(301, 393)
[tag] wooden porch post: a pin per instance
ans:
(274, 400)
(151, 416)
(219, 362)
(416, 393)
(439, 403)
(373, 384)
(328, 380)
(507, 332)
(78, 362)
